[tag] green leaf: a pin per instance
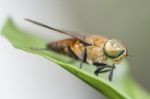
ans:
(122, 86)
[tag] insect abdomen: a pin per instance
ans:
(63, 46)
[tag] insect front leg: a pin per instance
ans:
(111, 72)
(98, 70)
(100, 67)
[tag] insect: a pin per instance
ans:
(100, 51)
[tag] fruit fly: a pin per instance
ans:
(100, 51)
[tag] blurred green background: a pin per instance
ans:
(127, 20)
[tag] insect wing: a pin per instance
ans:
(77, 36)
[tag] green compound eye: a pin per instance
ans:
(114, 48)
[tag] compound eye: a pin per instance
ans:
(113, 48)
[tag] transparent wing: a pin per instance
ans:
(74, 35)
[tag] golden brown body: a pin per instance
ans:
(74, 48)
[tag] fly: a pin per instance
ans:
(100, 51)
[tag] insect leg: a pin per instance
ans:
(100, 67)
(98, 70)
(71, 51)
(84, 56)
(104, 71)
(111, 72)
